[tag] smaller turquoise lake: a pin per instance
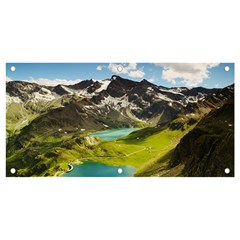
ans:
(96, 169)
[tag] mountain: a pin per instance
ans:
(206, 151)
(44, 123)
(92, 104)
(209, 148)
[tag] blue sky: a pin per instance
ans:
(167, 74)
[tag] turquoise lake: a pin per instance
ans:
(96, 169)
(113, 134)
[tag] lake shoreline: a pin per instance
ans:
(106, 135)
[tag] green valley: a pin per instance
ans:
(50, 152)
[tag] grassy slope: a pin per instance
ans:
(19, 115)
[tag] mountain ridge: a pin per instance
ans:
(134, 101)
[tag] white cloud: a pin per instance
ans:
(8, 79)
(136, 74)
(191, 74)
(100, 67)
(129, 69)
(49, 82)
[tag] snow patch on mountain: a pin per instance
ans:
(104, 84)
(36, 96)
(11, 99)
(146, 103)
(192, 99)
(150, 89)
(163, 97)
(117, 103)
(47, 91)
(70, 91)
(174, 91)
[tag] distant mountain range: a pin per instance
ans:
(95, 104)
(110, 103)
